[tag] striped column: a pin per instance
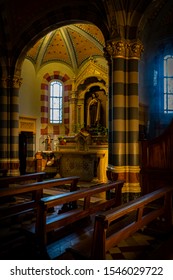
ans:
(124, 158)
(10, 125)
(73, 112)
(4, 126)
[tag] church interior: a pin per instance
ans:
(86, 129)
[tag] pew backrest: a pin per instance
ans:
(36, 189)
(22, 179)
(116, 224)
(84, 207)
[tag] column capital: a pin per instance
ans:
(124, 48)
(135, 49)
(11, 82)
(115, 48)
(73, 97)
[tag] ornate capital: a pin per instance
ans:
(125, 49)
(115, 48)
(11, 82)
(135, 49)
(16, 82)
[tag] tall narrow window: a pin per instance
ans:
(56, 102)
(168, 84)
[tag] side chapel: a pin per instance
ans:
(82, 84)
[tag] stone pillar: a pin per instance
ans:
(73, 112)
(80, 112)
(124, 115)
(9, 124)
(4, 126)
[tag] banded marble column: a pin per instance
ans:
(9, 124)
(4, 125)
(124, 159)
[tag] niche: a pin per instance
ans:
(95, 107)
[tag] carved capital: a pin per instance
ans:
(16, 82)
(11, 82)
(125, 49)
(115, 48)
(135, 49)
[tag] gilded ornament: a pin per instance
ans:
(116, 48)
(135, 50)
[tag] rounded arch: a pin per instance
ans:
(87, 89)
(89, 71)
(59, 16)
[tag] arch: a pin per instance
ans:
(58, 16)
(87, 72)
(100, 85)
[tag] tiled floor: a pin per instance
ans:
(140, 245)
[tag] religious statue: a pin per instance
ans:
(48, 142)
(93, 113)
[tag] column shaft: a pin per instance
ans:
(124, 114)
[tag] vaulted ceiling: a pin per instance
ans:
(71, 45)
(23, 25)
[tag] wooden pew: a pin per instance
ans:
(36, 189)
(5, 182)
(117, 224)
(85, 207)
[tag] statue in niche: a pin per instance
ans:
(48, 142)
(93, 112)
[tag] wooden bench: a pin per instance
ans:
(5, 182)
(86, 201)
(36, 189)
(119, 223)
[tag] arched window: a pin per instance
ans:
(56, 102)
(168, 84)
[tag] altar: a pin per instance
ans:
(81, 155)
